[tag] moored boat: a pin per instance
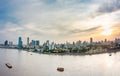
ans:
(60, 69)
(110, 54)
(8, 65)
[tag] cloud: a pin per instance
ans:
(54, 19)
(79, 31)
(109, 6)
(116, 26)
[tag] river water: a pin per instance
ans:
(25, 64)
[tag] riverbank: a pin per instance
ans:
(82, 54)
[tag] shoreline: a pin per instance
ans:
(82, 54)
(77, 54)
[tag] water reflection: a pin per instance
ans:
(25, 64)
(109, 62)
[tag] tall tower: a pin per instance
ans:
(105, 40)
(33, 42)
(6, 43)
(28, 41)
(91, 40)
(20, 43)
(47, 43)
(37, 42)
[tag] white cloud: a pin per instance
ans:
(55, 19)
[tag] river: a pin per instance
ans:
(34, 64)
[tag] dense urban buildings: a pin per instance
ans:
(75, 47)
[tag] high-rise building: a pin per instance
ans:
(6, 43)
(117, 40)
(37, 42)
(10, 43)
(78, 43)
(91, 40)
(33, 42)
(47, 43)
(105, 40)
(73, 44)
(53, 45)
(28, 41)
(20, 42)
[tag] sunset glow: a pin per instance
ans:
(107, 32)
(59, 20)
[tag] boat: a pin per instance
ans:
(8, 65)
(60, 69)
(110, 54)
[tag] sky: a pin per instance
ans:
(59, 20)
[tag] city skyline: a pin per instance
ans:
(59, 20)
(29, 41)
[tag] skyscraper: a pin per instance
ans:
(47, 43)
(28, 41)
(105, 40)
(37, 42)
(33, 42)
(20, 43)
(10, 43)
(6, 43)
(91, 40)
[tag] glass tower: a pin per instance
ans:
(20, 43)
